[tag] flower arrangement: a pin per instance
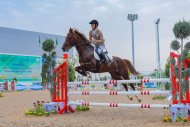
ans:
(39, 110)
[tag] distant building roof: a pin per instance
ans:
(16, 41)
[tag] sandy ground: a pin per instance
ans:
(14, 104)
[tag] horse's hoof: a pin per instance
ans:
(84, 74)
(130, 98)
(138, 98)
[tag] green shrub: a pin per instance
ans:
(82, 108)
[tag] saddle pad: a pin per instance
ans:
(96, 56)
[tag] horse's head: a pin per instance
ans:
(69, 40)
(72, 39)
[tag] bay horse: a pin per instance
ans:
(119, 68)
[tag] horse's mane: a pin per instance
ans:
(82, 36)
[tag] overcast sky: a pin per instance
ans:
(57, 16)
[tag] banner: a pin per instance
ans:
(22, 67)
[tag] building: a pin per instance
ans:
(16, 41)
(27, 43)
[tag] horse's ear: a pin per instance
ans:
(70, 30)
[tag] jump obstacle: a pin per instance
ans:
(120, 105)
(119, 93)
(176, 83)
(121, 81)
(7, 86)
(60, 90)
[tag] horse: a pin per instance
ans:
(119, 68)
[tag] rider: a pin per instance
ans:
(96, 37)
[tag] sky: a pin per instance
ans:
(57, 16)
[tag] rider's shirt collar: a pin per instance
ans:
(94, 31)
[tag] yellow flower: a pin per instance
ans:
(27, 112)
(178, 119)
(165, 119)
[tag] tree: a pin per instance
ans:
(71, 71)
(167, 74)
(71, 66)
(181, 31)
(167, 68)
(48, 45)
(49, 60)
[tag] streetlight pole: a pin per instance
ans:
(157, 44)
(158, 68)
(132, 18)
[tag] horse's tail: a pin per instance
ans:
(130, 67)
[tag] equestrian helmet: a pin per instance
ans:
(94, 22)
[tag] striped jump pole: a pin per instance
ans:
(120, 105)
(119, 93)
(121, 81)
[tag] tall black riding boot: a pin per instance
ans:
(103, 57)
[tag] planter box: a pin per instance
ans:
(180, 110)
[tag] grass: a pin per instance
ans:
(159, 97)
(1, 95)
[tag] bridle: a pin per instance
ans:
(79, 44)
(72, 43)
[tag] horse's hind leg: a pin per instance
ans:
(126, 88)
(136, 95)
(117, 76)
(126, 77)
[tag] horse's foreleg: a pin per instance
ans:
(87, 65)
(84, 68)
(80, 70)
